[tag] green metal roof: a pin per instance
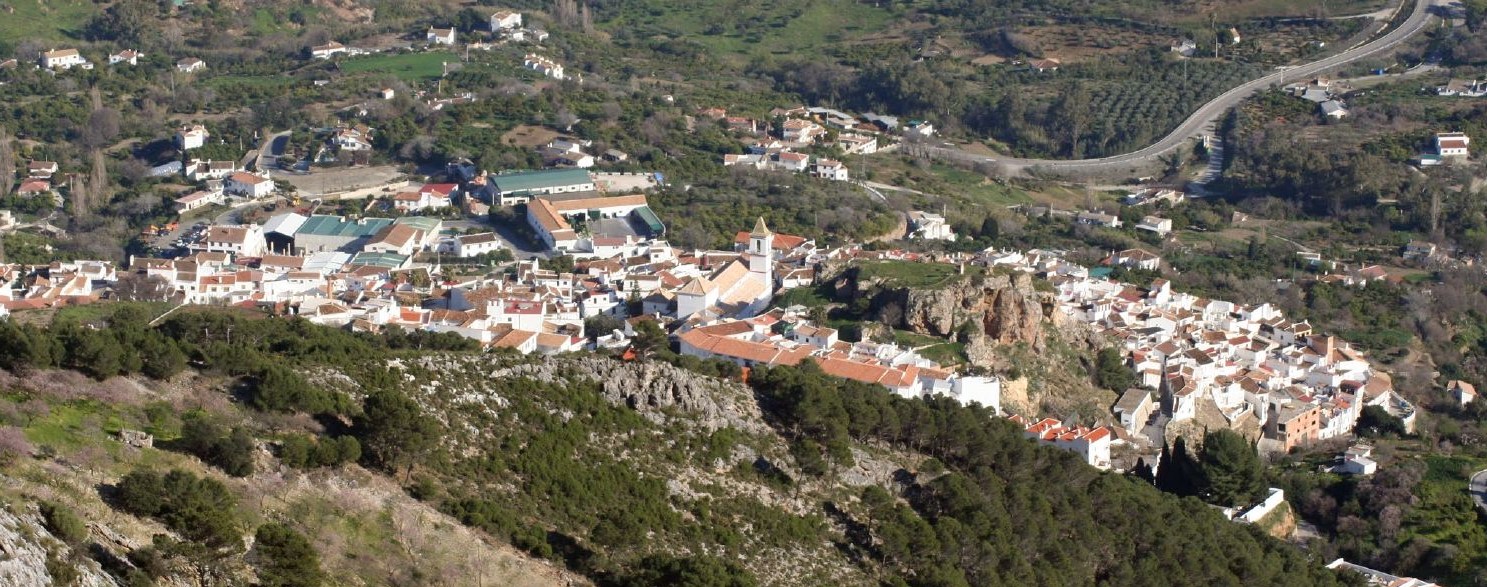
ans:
(387, 260)
(528, 181)
(338, 226)
(424, 223)
(651, 220)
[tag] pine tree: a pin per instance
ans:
(1164, 479)
(1178, 472)
(286, 558)
(1143, 471)
(1231, 469)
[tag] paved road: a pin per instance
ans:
(1209, 113)
(1478, 489)
(269, 151)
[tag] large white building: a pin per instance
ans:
(63, 59)
(741, 287)
(191, 136)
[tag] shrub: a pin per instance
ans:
(286, 558)
(62, 523)
(200, 509)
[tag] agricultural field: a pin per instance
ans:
(790, 27)
(407, 66)
(1072, 43)
(50, 20)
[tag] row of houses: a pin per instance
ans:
(786, 337)
(64, 59)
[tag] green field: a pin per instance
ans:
(787, 27)
(46, 20)
(407, 66)
(911, 274)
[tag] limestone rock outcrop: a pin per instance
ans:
(999, 309)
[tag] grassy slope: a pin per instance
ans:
(367, 530)
(408, 66)
(45, 20)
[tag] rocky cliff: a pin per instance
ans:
(27, 551)
(985, 309)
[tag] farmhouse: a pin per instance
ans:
(129, 56)
(191, 136)
(440, 36)
(248, 185)
(63, 59)
(504, 20)
(327, 50)
(190, 65)
(1452, 144)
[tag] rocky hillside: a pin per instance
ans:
(366, 529)
(248, 467)
(1007, 323)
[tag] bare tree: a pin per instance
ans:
(7, 163)
(99, 179)
(565, 12)
(79, 195)
(566, 119)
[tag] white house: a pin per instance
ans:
(921, 128)
(543, 66)
(1358, 460)
(242, 241)
(63, 59)
(504, 20)
(1137, 259)
(248, 185)
(854, 144)
(190, 65)
(930, 226)
(831, 169)
(327, 50)
(191, 136)
(1333, 109)
(471, 245)
(437, 195)
(129, 56)
(796, 162)
(1452, 144)
(1134, 408)
(441, 36)
(1461, 391)
(199, 170)
(1157, 224)
(198, 199)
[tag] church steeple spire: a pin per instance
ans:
(760, 230)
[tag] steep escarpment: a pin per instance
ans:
(990, 309)
(1006, 322)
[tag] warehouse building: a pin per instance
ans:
(521, 187)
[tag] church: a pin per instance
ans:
(741, 288)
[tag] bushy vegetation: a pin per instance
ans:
(286, 558)
(229, 450)
(957, 527)
(306, 452)
(200, 509)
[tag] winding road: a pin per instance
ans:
(1478, 489)
(1208, 114)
